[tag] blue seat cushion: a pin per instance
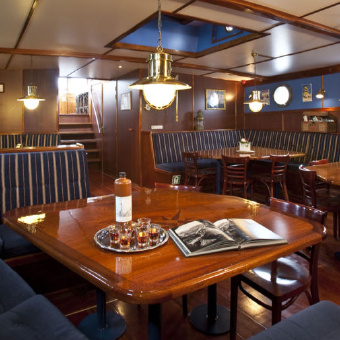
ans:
(37, 319)
(13, 289)
(179, 166)
(319, 321)
(171, 167)
(14, 244)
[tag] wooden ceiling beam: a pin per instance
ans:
(249, 7)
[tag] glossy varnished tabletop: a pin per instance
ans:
(66, 232)
(327, 172)
(257, 153)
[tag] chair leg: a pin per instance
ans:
(335, 225)
(185, 305)
(276, 311)
(285, 191)
(233, 306)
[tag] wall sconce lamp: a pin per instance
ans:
(320, 94)
(255, 103)
(31, 101)
(159, 88)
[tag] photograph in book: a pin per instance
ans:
(204, 237)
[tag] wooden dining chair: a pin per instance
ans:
(168, 186)
(327, 199)
(320, 184)
(235, 174)
(277, 175)
(283, 280)
(192, 170)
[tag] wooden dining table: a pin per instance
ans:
(66, 231)
(255, 153)
(329, 173)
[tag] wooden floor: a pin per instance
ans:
(80, 301)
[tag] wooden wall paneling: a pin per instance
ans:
(11, 111)
(128, 145)
(264, 121)
(45, 117)
(110, 128)
(215, 119)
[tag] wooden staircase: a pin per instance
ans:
(76, 128)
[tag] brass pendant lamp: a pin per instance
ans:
(255, 103)
(159, 88)
(32, 100)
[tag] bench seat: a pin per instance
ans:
(319, 321)
(38, 178)
(26, 315)
(179, 167)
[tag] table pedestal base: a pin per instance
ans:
(102, 325)
(199, 318)
(114, 328)
(211, 318)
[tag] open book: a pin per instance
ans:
(203, 237)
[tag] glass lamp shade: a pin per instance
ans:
(31, 101)
(255, 104)
(159, 88)
(320, 94)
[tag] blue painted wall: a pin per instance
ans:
(331, 86)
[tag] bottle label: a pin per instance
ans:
(124, 209)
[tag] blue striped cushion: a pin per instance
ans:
(41, 139)
(42, 177)
(10, 141)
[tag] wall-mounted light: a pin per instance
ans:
(32, 100)
(159, 88)
(320, 94)
(255, 103)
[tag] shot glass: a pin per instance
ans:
(125, 238)
(144, 222)
(114, 231)
(142, 235)
(154, 232)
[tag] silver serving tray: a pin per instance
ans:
(102, 239)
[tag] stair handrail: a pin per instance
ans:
(100, 125)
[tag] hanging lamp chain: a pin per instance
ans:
(31, 70)
(159, 47)
(254, 56)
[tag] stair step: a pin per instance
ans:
(81, 141)
(93, 160)
(75, 124)
(62, 133)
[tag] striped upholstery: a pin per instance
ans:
(168, 146)
(29, 139)
(42, 177)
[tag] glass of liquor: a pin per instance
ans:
(144, 222)
(142, 235)
(114, 231)
(154, 232)
(125, 238)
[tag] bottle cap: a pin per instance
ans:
(122, 174)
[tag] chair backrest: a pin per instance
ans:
(319, 161)
(190, 161)
(298, 210)
(279, 166)
(177, 187)
(308, 180)
(235, 169)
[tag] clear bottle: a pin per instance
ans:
(123, 194)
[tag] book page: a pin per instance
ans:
(199, 234)
(232, 231)
(254, 231)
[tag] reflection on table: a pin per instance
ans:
(329, 173)
(66, 232)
